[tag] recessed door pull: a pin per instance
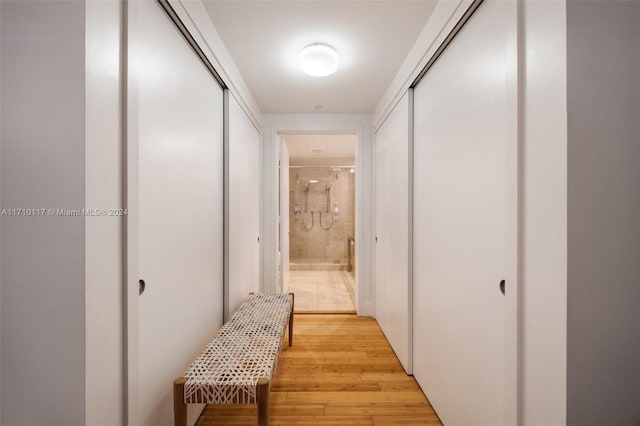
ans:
(141, 286)
(502, 287)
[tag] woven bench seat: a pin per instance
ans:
(237, 365)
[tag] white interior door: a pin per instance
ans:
(392, 286)
(180, 142)
(464, 222)
(284, 214)
(244, 206)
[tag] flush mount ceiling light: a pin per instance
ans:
(319, 60)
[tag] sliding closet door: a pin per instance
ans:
(244, 206)
(392, 254)
(465, 223)
(180, 144)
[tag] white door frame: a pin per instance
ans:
(283, 196)
(359, 124)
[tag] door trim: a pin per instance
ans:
(322, 123)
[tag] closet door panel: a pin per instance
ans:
(180, 180)
(392, 286)
(244, 206)
(464, 140)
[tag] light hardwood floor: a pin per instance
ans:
(340, 371)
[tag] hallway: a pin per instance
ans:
(473, 164)
(339, 371)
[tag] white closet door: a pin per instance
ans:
(180, 140)
(392, 291)
(244, 206)
(464, 221)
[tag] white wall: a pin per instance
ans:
(318, 123)
(393, 174)
(103, 235)
(603, 100)
(243, 207)
(544, 215)
(97, 86)
(43, 166)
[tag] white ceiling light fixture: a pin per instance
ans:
(319, 60)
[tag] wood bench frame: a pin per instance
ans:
(262, 388)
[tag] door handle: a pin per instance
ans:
(141, 286)
(503, 285)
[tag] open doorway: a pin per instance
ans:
(318, 183)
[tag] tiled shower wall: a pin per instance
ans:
(314, 244)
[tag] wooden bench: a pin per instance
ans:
(237, 365)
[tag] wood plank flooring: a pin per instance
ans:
(340, 371)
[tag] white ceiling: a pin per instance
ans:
(372, 38)
(334, 149)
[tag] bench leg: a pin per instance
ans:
(291, 320)
(179, 406)
(262, 395)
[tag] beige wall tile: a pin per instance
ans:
(329, 245)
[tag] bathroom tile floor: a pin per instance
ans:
(322, 291)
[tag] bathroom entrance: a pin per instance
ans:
(318, 193)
